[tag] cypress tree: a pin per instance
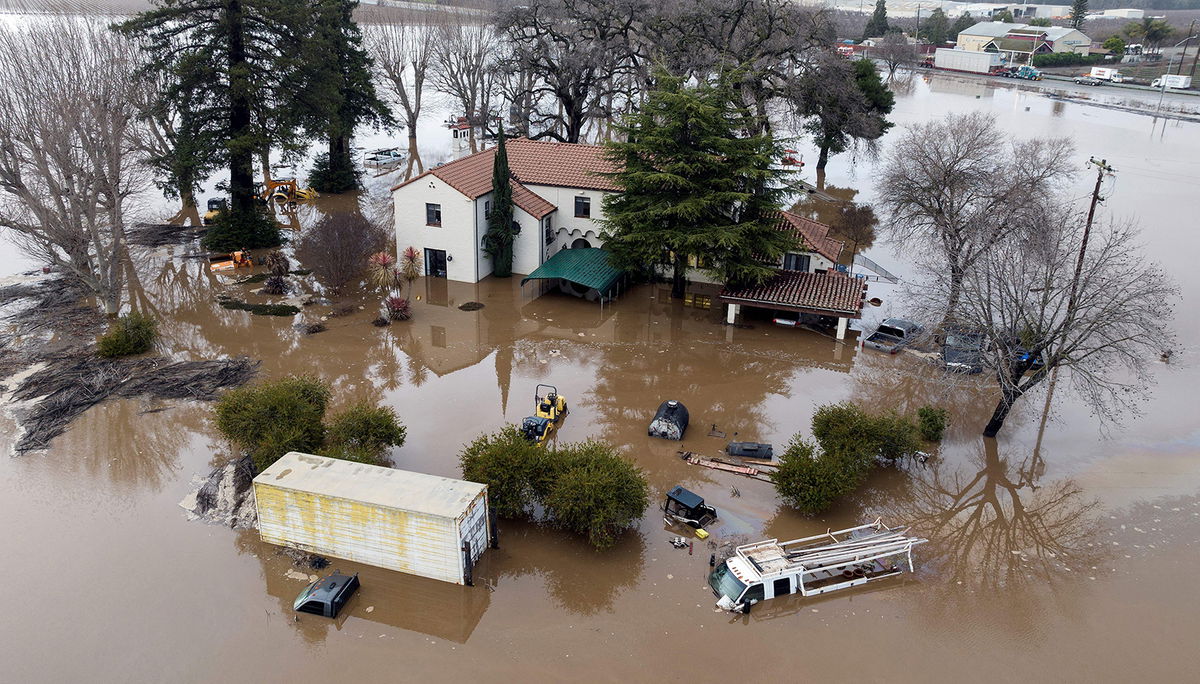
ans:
(498, 240)
(1079, 10)
(693, 189)
(877, 25)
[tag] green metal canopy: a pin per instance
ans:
(586, 266)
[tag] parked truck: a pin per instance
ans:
(1024, 71)
(1172, 81)
(966, 60)
(1107, 74)
(396, 519)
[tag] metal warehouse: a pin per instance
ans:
(409, 522)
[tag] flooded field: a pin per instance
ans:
(117, 585)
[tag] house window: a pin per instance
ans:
(487, 207)
(549, 231)
(433, 214)
(796, 262)
(583, 207)
(698, 301)
(698, 261)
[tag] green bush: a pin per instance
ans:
(596, 492)
(932, 423)
(363, 433)
(133, 333)
(330, 180)
(269, 419)
(584, 488)
(505, 462)
(811, 480)
(241, 230)
(1058, 59)
(847, 429)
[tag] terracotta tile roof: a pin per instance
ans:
(813, 234)
(534, 204)
(828, 293)
(532, 162)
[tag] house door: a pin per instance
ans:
(435, 263)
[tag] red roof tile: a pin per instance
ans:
(830, 293)
(814, 235)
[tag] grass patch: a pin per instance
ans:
(260, 309)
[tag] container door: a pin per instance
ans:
(474, 527)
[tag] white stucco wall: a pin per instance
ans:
(564, 218)
(456, 235)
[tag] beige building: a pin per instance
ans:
(1019, 42)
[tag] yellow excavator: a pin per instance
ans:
(216, 205)
(550, 408)
(284, 191)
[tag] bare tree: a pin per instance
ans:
(465, 67)
(403, 53)
(895, 52)
(67, 110)
(338, 246)
(856, 223)
(954, 189)
(575, 51)
(1101, 333)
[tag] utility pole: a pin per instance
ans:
(1191, 34)
(1102, 168)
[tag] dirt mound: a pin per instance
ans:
(225, 497)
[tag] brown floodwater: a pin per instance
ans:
(1062, 550)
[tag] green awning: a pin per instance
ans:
(587, 266)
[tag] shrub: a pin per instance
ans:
(584, 488)
(846, 428)
(275, 285)
(932, 423)
(811, 480)
(269, 419)
(133, 333)
(326, 178)
(597, 493)
(260, 309)
(241, 230)
(505, 462)
(337, 248)
(365, 432)
(1058, 59)
(398, 308)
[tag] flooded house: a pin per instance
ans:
(558, 192)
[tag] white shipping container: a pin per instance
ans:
(966, 60)
(1107, 74)
(395, 519)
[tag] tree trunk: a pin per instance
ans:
(413, 154)
(264, 160)
(1008, 397)
(341, 166)
(241, 159)
(823, 159)
(953, 295)
(679, 277)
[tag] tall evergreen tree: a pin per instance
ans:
(936, 27)
(336, 92)
(498, 240)
(693, 190)
(1078, 15)
(843, 102)
(221, 58)
(877, 25)
(962, 23)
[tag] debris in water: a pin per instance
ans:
(471, 306)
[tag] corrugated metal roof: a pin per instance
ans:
(991, 29)
(399, 489)
(587, 266)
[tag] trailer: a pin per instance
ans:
(952, 59)
(409, 522)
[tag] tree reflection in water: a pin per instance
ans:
(998, 527)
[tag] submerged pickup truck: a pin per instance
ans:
(893, 335)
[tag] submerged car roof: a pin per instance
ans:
(685, 497)
(901, 323)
